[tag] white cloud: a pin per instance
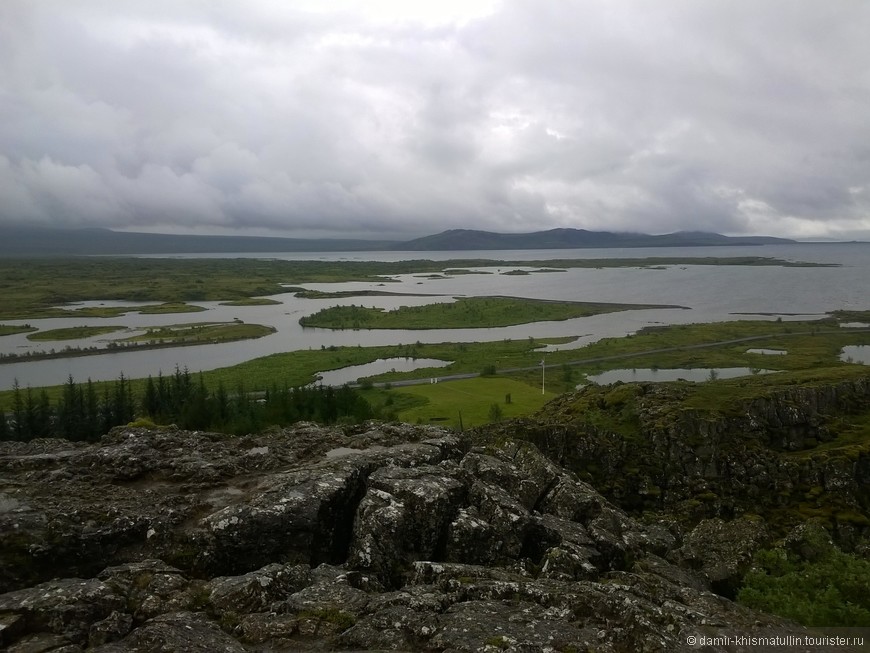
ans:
(395, 118)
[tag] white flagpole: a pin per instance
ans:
(543, 375)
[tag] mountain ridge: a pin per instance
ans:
(566, 238)
(48, 241)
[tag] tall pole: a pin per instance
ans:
(543, 375)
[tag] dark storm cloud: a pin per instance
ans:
(739, 117)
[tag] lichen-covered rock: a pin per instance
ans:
(404, 517)
(473, 626)
(110, 629)
(301, 516)
(72, 509)
(44, 643)
(149, 588)
(11, 627)
(386, 537)
(257, 590)
(268, 627)
(173, 632)
(722, 551)
(64, 607)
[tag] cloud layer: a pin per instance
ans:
(399, 119)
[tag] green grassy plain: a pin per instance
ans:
(808, 343)
(471, 399)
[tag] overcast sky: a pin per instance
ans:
(398, 119)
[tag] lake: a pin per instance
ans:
(696, 375)
(711, 293)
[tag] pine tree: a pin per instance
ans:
(91, 429)
(107, 417)
(17, 412)
(71, 412)
(222, 405)
(123, 408)
(43, 417)
(150, 400)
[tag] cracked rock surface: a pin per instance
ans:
(384, 537)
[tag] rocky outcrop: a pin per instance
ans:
(381, 538)
(755, 447)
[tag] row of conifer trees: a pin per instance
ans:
(84, 411)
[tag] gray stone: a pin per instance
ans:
(65, 607)
(177, 631)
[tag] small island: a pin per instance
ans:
(73, 333)
(465, 313)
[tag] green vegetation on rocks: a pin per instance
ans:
(813, 583)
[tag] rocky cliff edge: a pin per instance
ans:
(387, 537)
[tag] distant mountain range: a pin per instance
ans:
(45, 241)
(455, 239)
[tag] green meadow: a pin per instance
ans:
(469, 402)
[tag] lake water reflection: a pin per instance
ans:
(856, 354)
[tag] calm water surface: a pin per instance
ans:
(353, 373)
(856, 354)
(696, 374)
(709, 293)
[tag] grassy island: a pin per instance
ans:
(200, 333)
(467, 312)
(181, 335)
(12, 329)
(74, 333)
(252, 301)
